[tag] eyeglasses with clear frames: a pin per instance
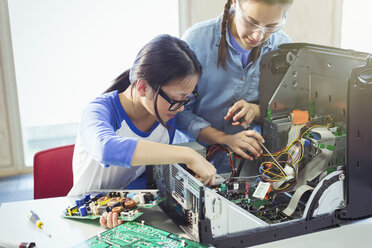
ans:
(255, 27)
(176, 104)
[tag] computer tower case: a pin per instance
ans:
(325, 181)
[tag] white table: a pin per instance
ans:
(16, 227)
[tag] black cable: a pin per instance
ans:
(240, 166)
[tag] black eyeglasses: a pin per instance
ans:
(176, 104)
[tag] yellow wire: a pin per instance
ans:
(281, 188)
(302, 153)
(268, 171)
(292, 160)
(289, 146)
(272, 173)
(285, 151)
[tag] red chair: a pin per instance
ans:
(53, 172)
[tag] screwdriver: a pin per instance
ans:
(34, 218)
(244, 124)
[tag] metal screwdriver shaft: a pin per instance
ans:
(34, 218)
(246, 126)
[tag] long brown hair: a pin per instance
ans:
(222, 48)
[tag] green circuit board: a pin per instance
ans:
(134, 234)
(126, 214)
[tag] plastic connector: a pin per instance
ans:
(289, 178)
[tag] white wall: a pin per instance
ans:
(356, 21)
(315, 21)
(11, 149)
(64, 54)
(193, 11)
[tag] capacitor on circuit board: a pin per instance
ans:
(83, 211)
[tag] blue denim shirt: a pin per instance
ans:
(219, 89)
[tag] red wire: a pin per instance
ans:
(214, 149)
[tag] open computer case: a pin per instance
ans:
(325, 180)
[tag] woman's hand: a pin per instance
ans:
(243, 109)
(205, 171)
(245, 141)
(112, 220)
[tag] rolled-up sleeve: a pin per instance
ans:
(188, 122)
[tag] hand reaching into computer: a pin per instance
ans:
(245, 141)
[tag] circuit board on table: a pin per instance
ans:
(126, 203)
(134, 234)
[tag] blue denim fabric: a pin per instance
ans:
(219, 89)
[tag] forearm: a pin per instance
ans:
(191, 124)
(152, 153)
(210, 135)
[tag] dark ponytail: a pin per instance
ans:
(222, 48)
(121, 83)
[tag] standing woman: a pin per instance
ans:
(133, 122)
(229, 49)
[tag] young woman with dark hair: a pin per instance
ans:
(230, 48)
(133, 122)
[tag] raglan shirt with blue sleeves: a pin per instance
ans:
(219, 89)
(105, 145)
